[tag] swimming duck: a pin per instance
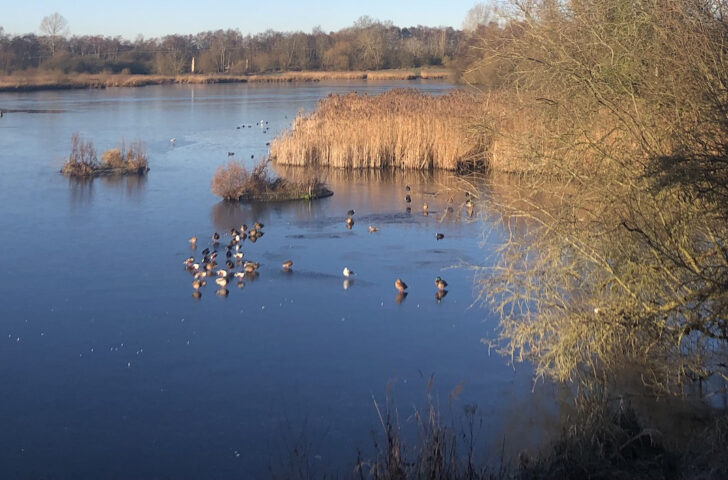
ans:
(215, 238)
(440, 283)
(189, 262)
(349, 222)
(439, 236)
(407, 198)
(350, 213)
(251, 267)
(193, 242)
(205, 252)
(197, 284)
(243, 228)
(258, 226)
(222, 281)
(230, 265)
(400, 285)
(373, 229)
(425, 208)
(287, 265)
(347, 272)
(239, 275)
(238, 255)
(407, 188)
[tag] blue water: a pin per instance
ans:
(111, 369)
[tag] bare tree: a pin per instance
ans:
(54, 26)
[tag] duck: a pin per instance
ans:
(373, 229)
(258, 226)
(439, 236)
(189, 261)
(238, 255)
(172, 140)
(425, 208)
(243, 228)
(349, 222)
(287, 265)
(347, 272)
(350, 213)
(400, 285)
(197, 284)
(407, 198)
(215, 238)
(193, 241)
(231, 154)
(251, 267)
(222, 281)
(205, 252)
(229, 264)
(239, 275)
(407, 188)
(440, 283)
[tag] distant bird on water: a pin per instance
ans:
(172, 140)
(287, 265)
(347, 273)
(440, 283)
(400, 285)
(349, 222)
(407, 198)
(350, 213)
(439, 236)
(193, 242)
(373, 229)
(231, 154)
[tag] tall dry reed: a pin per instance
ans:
(401, 129)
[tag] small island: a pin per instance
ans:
(234, 182)
(123, 160)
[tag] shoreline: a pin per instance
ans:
(51, 81)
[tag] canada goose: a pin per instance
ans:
(287, 265)
(440, 283)
(347, 272)
(439, 236)
(400, 285)
(373, 229)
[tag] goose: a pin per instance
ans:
(400, 285)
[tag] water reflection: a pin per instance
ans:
(81, 190)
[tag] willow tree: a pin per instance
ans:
(615, 249)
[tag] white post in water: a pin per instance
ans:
(192, 67)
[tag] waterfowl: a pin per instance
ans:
(230, 154)
(347, 272)
(349, 222)
(373, 229)
(439, 236)
(238, 255)
(243, 228)
(196, 294)
(251, 267)
(221, 281)
(228, 254)
(440, 283)
(407, 188)
(222, 273)
(172, 140)
(197, 284)
(425, 208)
(238, 275)
(193, 242)
(407, 198)
(350, 213)
(400, 285)
(230, 265)
(189, 261)
(205, 252)
(215, 238)
(258, 226)
(287, 265)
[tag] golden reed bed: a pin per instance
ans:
(51, 81)
(397, 129)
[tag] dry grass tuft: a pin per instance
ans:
(398, 129)
(83, 162)
(235, 182)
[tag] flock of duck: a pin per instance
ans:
(233, 266)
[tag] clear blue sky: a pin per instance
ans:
(153, 18)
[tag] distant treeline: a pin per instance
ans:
(367, 45)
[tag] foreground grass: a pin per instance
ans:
(59, 81)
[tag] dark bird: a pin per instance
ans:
(407, 188)
(230, 154)
(407, 198)
(215, 237)
(439, 236)
(350, 213)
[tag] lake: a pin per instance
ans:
(111, 369)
